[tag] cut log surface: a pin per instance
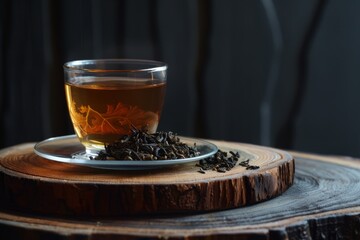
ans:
(322, 203)
(34, 184)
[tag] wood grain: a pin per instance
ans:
(33, 184)
(323, 203)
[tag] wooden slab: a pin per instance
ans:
(37, 185)
(323, 203)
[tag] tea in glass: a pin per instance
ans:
(109, 98)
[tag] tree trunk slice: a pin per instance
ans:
(34, 184)
(323, 203)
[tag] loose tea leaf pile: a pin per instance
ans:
(141, 145)
(221, 162)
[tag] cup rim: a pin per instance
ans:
(76, 65)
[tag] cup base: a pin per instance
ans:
(87, 155)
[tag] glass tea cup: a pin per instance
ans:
(107, 98)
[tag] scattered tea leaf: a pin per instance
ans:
(221, 162)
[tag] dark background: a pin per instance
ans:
(277, 73)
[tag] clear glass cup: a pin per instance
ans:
(107, 98)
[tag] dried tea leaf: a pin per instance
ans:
(141, 145)
(221, 162)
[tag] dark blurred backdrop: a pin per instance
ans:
(277, 73)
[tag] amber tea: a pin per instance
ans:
(104, 109)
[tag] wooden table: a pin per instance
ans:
(322, 203)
